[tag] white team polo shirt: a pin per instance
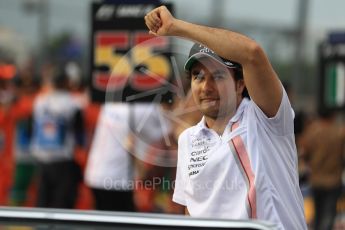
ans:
(260, 181)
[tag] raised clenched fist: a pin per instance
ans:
(159, 21)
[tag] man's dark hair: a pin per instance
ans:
(238, 75)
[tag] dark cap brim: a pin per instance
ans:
(192, 59)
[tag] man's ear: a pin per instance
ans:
(240, 85)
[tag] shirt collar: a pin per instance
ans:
(202, 124)
(240, 110)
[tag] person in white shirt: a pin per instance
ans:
(111, 167)
(58, 128)
(240, 161)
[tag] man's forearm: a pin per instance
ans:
(227, 44)
(258, 73)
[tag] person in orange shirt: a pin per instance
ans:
(7, 96)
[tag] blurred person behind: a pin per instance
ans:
(111, 168)
(90, 110)
(322, 148)
(57, 129)
(7, 97)
(91, 113)
(300, 116)
(26, 90)
(180, 115)
(150, 141)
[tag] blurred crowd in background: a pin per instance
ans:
(60, 149)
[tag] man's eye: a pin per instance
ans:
(218, 76)
(197, 75)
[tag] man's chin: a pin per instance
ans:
(212, 113)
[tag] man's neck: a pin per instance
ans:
(217, 124)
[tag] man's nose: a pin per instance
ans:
(208, 84)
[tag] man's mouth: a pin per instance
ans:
(210, 101)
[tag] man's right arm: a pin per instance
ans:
(261, 80)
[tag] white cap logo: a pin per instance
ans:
(205, 50)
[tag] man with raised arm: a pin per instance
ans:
(239, 161)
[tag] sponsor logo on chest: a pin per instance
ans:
(199, 153)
